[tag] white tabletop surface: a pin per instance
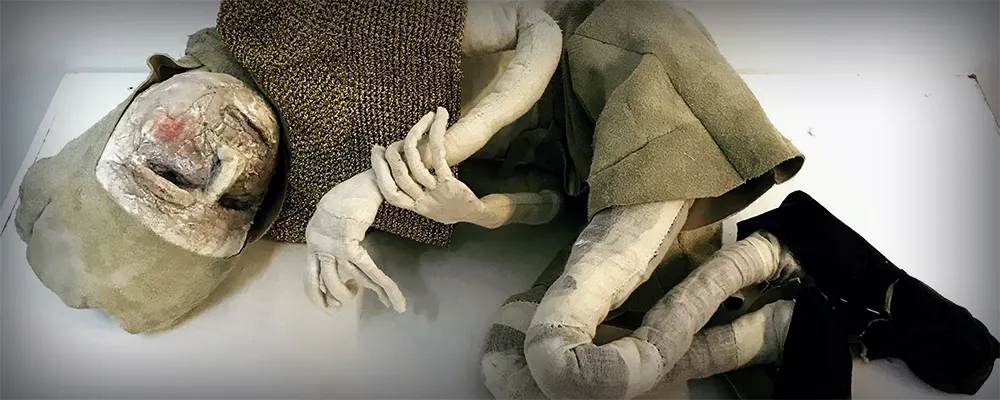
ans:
(910, 162)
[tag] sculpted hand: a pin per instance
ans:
(407, 183)
(338, 266)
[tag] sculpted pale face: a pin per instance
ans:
(192, 158)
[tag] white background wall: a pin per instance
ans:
(42, 40)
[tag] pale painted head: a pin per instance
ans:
(191, 158)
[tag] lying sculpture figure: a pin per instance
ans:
(645, 118)
(651, 125)
(625, 104)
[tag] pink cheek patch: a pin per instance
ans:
(166, 129)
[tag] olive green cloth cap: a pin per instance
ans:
(92, 253)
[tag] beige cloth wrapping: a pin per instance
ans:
(345, 76)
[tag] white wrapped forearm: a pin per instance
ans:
(493, 27)
(537, 41)
(409, 184)
(336, 229)
(611, 257)
(401, 168)
(518, 208)
(335, 258)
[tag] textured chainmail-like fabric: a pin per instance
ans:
(346, 75)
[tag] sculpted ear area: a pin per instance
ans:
(33, 197)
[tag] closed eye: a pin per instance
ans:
(171, 175)
(237, 203)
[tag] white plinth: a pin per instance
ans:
(909, 162)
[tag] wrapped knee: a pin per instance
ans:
(566, 364)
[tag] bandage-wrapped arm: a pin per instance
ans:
(492, 27)
(401, 169)
(518, 208)
(441, 196)
(338, 266)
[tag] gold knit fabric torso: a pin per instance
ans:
(344, 76)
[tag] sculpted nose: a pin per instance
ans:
(232, 164)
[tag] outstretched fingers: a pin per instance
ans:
(401, 173)
(413, 160)
(364, 262)
(333, 281)
(437, 150)
(364, 281)
(328, 279)
(386, 183)
(315, 285)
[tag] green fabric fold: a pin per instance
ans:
(654, 112)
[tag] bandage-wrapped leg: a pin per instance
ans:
(756, 338)
(613, 255)
(753, 339)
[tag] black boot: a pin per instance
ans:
(941, 342)
(816, 360)
(888, 312)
